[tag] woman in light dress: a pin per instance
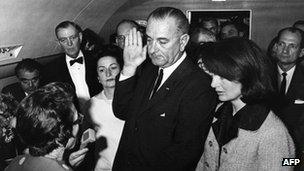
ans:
(108, 128)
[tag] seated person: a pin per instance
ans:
(28, 72)
(8, 139)
(47, 122)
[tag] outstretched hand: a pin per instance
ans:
(134, 53)
(77, 157)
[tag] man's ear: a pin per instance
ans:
(183, 41)
(116, 41)
(301, 53)
(80, 37)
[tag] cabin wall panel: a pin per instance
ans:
(268, 16)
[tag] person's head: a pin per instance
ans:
(8, 106)
(122, 30)
(240, 71)
(69, 36)
(200, 36)
(47, 119)
(109, 64)
(229, 29)
(91, 41)
(28, 72)
(167, 35)
(299, 24)
(210, 24)
(289, 47)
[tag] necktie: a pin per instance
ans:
(283, 84)
(78, 60)
(157, 82)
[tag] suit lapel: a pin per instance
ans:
(66, 77)
(183, 69)
(297, 82)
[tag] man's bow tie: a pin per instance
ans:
(78, 60)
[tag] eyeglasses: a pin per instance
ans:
(121, 38)
(79, 120)
(65, 40)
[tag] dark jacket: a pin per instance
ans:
(15, 90)
(167, 132)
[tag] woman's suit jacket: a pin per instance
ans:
(260, 150)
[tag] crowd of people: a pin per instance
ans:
(158, 98)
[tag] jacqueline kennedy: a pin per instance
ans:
(245, 134)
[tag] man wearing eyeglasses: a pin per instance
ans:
(74, 66)
(122, 30)
(28, 72)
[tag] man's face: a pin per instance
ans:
(203, 38)
(165, 43)
(29, 81)
(229, 31)
(210, 25)
(70, 40)
(288, 48)
(122, 31)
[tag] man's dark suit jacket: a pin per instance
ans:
(15, 90)
(291, 113)
(57, 70)
(167, 132)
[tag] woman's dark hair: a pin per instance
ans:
(239, 59)
(44, 118)
(113, 51)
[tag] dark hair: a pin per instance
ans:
(240, 59)
(44, 118)
(201, 30)
(28, 64)
(293, 30)
(89, 36)
(236, 25)
(66, 24)
(209, 19)
(113, 51)
(131, 22)
(177, 14)
(299, 22)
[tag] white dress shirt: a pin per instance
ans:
(77, 72)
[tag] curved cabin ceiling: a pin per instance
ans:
(31, 23)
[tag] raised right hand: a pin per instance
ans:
(134, 53)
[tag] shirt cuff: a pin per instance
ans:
(123, 77)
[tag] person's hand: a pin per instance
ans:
(134, 53)
(77, 157)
